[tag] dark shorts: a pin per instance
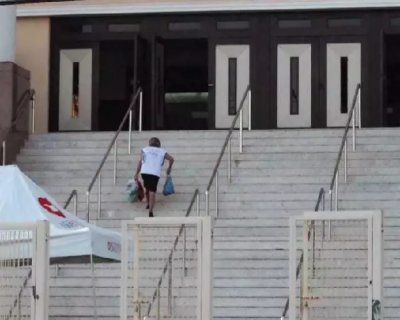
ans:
(150, 182)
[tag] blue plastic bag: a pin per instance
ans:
(133, 191)
(168, 187)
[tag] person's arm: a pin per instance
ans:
(139, 167)
(171, 162)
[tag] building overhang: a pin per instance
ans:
(111, 7)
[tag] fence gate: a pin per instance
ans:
(166, 268)
(338, 259)
(24, 265)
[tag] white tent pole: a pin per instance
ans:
(93, 288)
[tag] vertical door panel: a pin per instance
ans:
(294, 86)
(158, 84)
(75, 92)
(139, 81)
(343, 75)
(232, 73)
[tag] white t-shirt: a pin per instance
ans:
(153, 160)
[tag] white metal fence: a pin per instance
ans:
(24, 264)
(166, 269)
(341, 275)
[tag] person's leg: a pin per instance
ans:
(147, 186)
(152, 194)
(152, 198)
(147, 199)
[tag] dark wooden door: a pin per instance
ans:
(158, 83)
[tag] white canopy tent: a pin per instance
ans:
(71, 239)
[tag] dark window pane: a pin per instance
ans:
(75, 90)
(395, 21)
(294, 85)
(75, 78)
(354, 22)
(124, 27)
(182, 26)
(232, 25)
(232, 86)
(294, 24)
(344, 66)
(87, 28)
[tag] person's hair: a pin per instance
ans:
(155, 142)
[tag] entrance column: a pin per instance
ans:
(7, 33)
(7, 59)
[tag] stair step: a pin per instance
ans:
(278, 175)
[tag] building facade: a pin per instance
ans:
(302, 61)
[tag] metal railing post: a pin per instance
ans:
(33, 111)
(345, 160)
(230, 160)
(158, 303)
(76, 203)
(330, 199)
(241, 131)
(170, 287)
(115, 160)
(4, 152)
(354, 129)
(207, 204)
(19, 307)
(359, 108)
(184, 252)
(99, 198)
(140, 110)
(249, 126)
(313, 249)
(130, 132)
(87, 206)
(113, 144)
(336, 190)
(216, 194)
(323, 201)
(198, 204)
(93, 287)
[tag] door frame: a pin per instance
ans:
(212, 65)
(93, 44)
(318, 74)
(315, 61)
(155, 94)
(140, 79)
(323, 73)
(384, 80)
(54, 79)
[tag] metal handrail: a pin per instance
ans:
(29, 93)
(73, 195)
(321, 199)
(214, 175)
(113, 144)
(168, 264)
(343, 145)
(334, 181)
(17, 301)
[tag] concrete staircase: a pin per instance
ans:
(278, 175)
(62, 162)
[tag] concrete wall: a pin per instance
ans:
(14, 108)
(33, 54)
(6, 96)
